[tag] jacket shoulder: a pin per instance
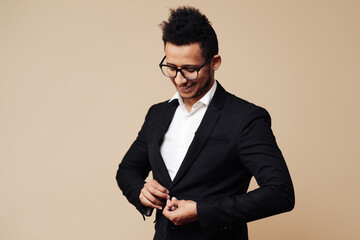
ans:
(241, 106)
(160, 105)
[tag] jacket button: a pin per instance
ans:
(227, 228)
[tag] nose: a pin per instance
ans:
(179, 79)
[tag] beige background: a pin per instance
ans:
(77, 77)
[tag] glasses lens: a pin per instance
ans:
(190, 73)
(168, 71)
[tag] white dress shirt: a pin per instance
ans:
(182, 130)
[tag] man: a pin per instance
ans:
(203, 146)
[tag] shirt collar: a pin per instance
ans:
(206, 99)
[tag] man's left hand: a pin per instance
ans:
(180, 212)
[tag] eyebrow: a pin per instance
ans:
(184, 66)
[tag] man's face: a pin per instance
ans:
(189, 56)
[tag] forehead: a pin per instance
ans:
(184, 54)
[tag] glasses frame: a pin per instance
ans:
(180, 69)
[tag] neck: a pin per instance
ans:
(189, 102)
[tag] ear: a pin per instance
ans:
(215, 62)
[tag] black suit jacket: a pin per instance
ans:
(233, 143)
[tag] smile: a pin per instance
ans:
(186, 89)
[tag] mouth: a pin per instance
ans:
(186, 89)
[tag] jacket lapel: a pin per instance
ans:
(166, 119)
(202, 134)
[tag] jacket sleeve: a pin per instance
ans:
(134, 169)
(259, 153)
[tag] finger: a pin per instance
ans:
(167, 213)
(175, 202)
(157, 189)
(155, 184)
(167, 205)
(170, 203)
(157, 192)
(154, 199)
(151, 198)
(146, 202)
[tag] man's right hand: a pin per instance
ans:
(154, 195)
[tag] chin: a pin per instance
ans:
(187, 96)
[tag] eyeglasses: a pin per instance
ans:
(190, 73)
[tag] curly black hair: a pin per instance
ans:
(187, 25)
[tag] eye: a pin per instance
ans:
(171, 69)
(189, 70)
